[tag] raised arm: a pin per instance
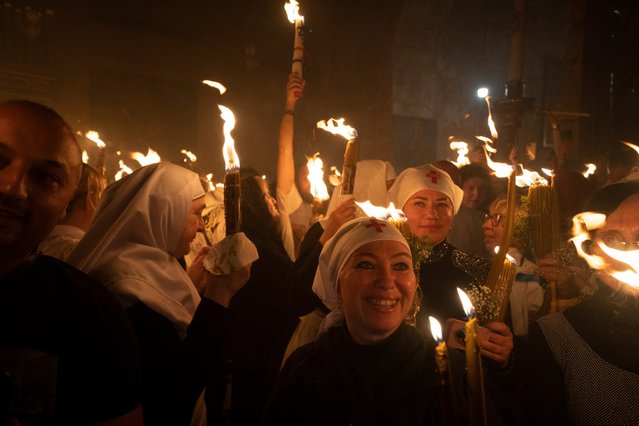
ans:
(285, 163)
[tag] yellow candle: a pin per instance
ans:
(474, 372)
(444, 374)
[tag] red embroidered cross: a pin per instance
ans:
(378, 225)
(434, 177)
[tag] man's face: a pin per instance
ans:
(39, 169)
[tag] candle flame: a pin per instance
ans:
(209, 180)
(94, 137)
(151, 157)
(337, 127)
(548, 172)
(231, 159)
(435, 329)
(335, 178)
(529, 178)
(214, 84)
(315, 176)
(191, 157)
(635, 147)
(488, 143)
(382, 213)
(624, 262)
(462, 150)
(502, 170)
(292, 9)
(85, 157)
(469, 309)
(491, 123)
(123, 169)
(591, 168)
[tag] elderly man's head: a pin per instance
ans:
(40, 166)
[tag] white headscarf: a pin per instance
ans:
(138, 224)
(414, 179)
(338, 250)
(370, 184)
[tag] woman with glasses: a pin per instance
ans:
(582, 366)
(527, 295)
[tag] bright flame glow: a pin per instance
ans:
(214, 84)
(488, 143)
(382, 213)
(462, 150)
(469, 309)
(548, 172)
(502, 170)
(337, 127)
(529, 178)
(85, 157)
(635, 147)
(231, 159)
(94, 136)
(316, 177)
(151, 157)
(482, 92)
(591, 168)
(192, 158)
(491, 123)
(335, 178)
(209, 179)
(581, 225)
(292, 9)
(435, 329)
(123, 169)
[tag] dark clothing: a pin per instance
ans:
(583, 364)
(262, 329)
(445, 269)
(301, 298)
(176, 370)
(335, 381)
(68, 346)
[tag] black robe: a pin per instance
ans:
(337, 381)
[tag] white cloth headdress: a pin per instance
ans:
(338, 250)
(138, 224)
(414, 179)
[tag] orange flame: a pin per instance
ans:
(591, 168)
(624, 263)
(94, 136)
(209, 180)
(123, 169)
(382, 213)
(191, 157)
(435, 329)
(292, 9)
(151, 157)
(85, 157)
(231, 159)
(337, 127)
(316, 177)
(635, 147)
(491, 123)
(548, 172)
(469, 309)
(214, 84)
(529, 178)
(462, 150)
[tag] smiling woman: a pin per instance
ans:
(369, 367)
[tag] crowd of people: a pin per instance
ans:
(111, 313)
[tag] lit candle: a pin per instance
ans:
(94, 137)
(293, 13)
(337, 127)
(474, 373)
(232, 192)
(444, 374)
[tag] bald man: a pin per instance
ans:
(65, 345)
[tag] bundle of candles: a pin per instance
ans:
(319, 191)
(503, 268)
(337, 127)
(232, 192)
(544, 218)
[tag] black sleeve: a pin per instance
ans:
(544, 393)
(301, 298)
(175, 370)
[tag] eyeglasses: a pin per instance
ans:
(495, 219)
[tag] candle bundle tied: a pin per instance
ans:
(232, 188)
(503, 269)
(337, 127)
(292, 9)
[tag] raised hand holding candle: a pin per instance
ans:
(292, 9)
(474, 372)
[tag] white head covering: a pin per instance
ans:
(370, 184)
(139, 222)
(338, 250)
(414, 179)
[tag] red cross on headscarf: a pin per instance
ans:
(434, 177)
(377, 224)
